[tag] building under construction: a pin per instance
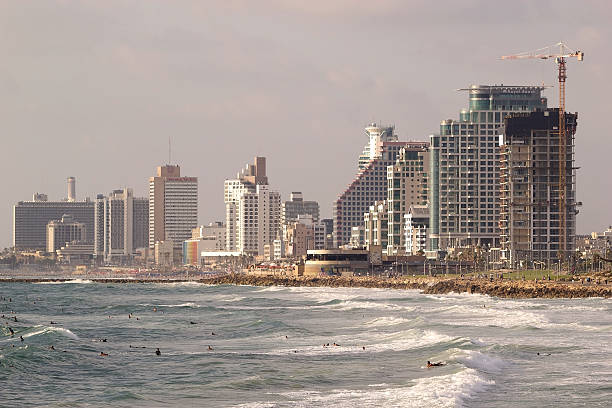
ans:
(531, 206)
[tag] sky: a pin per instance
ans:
(94, 89)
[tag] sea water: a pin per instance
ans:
(268, 347)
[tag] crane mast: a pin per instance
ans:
(560, 59)
(562, 161)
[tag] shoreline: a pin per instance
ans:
(428, 285)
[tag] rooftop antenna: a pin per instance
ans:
(169, 150)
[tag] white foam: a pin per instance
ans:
(442, 391)
(482, 362)
(386, 321)
(374, 342)
(80, 281)
(47, 329)
(188, 304)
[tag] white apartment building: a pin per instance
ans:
(253, 211)
(416, 229)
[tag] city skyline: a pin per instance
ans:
(308, 133)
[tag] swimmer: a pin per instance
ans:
(210, 348)
(363, 347)
(103, 354)
(286, 337)
(102, 340)
(438, 364)
(12, 331)
(213, 334)
(51, 348)
(52, 322)
(192, 323)
(21, 337)
(158, 352)
(155, 309)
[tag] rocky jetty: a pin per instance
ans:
(430, 285)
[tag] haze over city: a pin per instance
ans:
(94, 90)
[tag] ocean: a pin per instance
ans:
(270, 347)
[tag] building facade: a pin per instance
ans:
(464, 162)
(121, 225)
(407, 185)
(173, 206)
(66, 230)
(215, 231)
(370, 184)
(531, 212)
(253, 210)
(30, 219)
(376, 225)
(416, 229)
(297, 206)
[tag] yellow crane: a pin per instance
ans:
(560, 57)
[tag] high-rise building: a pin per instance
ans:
(61, 232)
(297, 206)
(253, 211)
(30, 219)
(464, 161)
(258, 220)
(530, 208)
(121, 223)
(370, 183)
(245, 182)
(173, 207)
(407, 187)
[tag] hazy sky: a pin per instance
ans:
(93, 89)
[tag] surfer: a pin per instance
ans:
(52, 322)
(210, 348)
(51, 347)
(158, 352)
(21, 338)
(192, 323)
(212, 334)
(12, 331)
(103, 354)
(438, 364)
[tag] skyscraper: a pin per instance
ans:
(121, 223)
(464, 176)
(253, 211)
(173, 206)
(370, 184)
(530, 207)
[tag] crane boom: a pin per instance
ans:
(560, 58)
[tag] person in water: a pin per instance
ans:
(103, 354)
(438, 364)
(210, 348)
(158, 352)
(21, 337)
(12, 331)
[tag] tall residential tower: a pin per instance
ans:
(464, 176)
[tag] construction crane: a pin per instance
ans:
(560, 57)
